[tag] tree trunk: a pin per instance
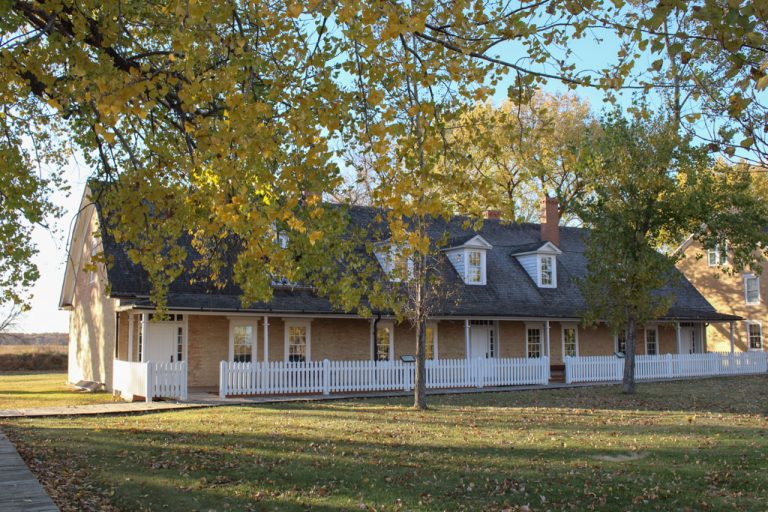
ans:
(629, 355)
(420, 384)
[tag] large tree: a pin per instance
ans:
(706, 57)
(514, 154)
(222, 114)
(652, 188)
(225, 121)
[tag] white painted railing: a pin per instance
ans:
(668, 366)
(168, 380)
(129, 378)
(327, 377)
(150, 379)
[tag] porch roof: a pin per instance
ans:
(304, 302)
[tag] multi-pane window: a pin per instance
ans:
(752, 289)
(621, 342)
(297, 343)
(475, 267)
(491, 342)
(569, 341)
(717, 256)
(533, 338)
(179, 344)
(242, 343)
(383, 342)
(651, 342)
(755, 331)
(430, 342)
(547, 275)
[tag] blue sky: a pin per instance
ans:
(45, 316)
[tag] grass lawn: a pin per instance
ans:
(22, 390)
(694, 445)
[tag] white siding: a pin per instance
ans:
(457, 260)
(384, 261)
(530, 264)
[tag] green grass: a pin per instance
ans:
(23, 390)
(694, 445)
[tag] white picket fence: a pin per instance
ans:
(668, 366)
(150, 379)
(269, 378)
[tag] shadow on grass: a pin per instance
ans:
(737, 394)
(205, 459)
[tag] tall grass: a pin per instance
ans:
(33, 357)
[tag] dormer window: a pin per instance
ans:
(394, 261)
(539, 260)
(717, 256)
(475, 267)
(469, 259)
(547, 271)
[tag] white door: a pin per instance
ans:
(161, 345)
(689, 340)
(478, 341)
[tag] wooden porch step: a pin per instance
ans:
(557, 373)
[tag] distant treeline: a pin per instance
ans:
(40, 338)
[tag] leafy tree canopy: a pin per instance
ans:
(218, 117)
(652, 188)
(518, 152)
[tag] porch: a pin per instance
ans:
(247, 355)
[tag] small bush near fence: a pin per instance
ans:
(33, 357)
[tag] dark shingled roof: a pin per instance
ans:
(527, 248)
(510, 292)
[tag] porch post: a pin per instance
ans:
(731, 333)
(144, 336)
(466, 338)
(704, 337)
(546, 336)
(266, 338)
(677, 336)
(131, 321)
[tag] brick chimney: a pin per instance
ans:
(492, 214)
(550, 220)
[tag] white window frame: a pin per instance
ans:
(388, 254)
(747, 277)
(243, 322)
(542, 340)
(539, 259)
(720, 257)
(758, 323)
(433, 326)
(563, 327)
(297, 322)
(616, 341)
(467, 253)
(655, 329)
(184, 324)
(388, 324)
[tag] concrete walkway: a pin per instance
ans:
(98, 409)
(19, 489)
